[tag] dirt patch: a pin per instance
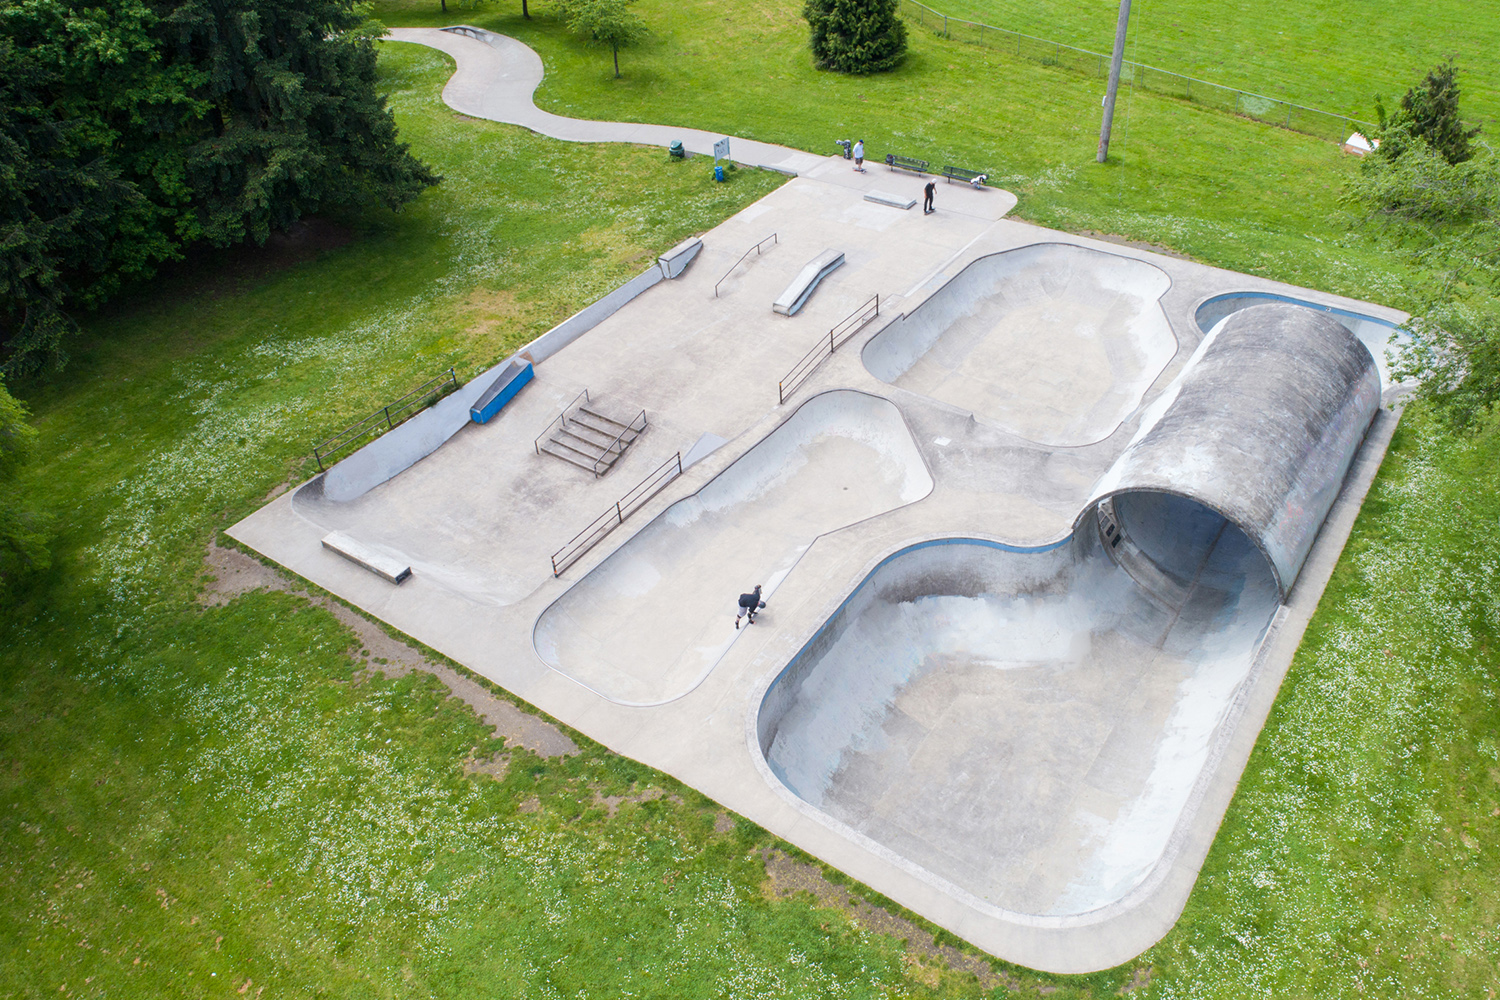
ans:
(235, 573)
(612, 803)
(495, 765)
(924, 956)
(723, 822)
(1122, 241)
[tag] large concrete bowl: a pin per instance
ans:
(1027, 725)
(1054, 342)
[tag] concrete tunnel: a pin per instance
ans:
(1253, 437)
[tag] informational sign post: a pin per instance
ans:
(721, 150)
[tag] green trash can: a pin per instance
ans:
(676, 151)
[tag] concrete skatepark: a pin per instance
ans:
(1038, 542)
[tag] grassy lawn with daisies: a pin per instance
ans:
(220, 802)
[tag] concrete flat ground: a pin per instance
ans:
(635, 645)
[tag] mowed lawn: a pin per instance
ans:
(1239, 194)
(203, 803)
(1328, 54)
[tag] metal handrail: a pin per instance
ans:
(600, 527)
(563, 416)
(836, 338)
(772, 238)
(618, 437)
(355, 431)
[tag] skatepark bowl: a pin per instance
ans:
(649, 623)
(1054, 342)
(1026, 724)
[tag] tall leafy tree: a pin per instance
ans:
(134, 128)
(609, 23)
(855, 36)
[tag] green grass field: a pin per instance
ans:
(1326, 54)
(205, 803)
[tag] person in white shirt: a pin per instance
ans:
(859, 156)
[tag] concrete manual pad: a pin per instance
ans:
(1018, 743)
(893, 200)
(647, 624)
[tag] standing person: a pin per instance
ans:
(859, 156)
(927, 193)
(750, 605)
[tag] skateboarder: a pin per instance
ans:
(859, 156)
(927, 193)
(750, 605)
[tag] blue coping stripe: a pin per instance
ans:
(983, 542)
(1277, 297)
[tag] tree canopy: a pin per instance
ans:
(1437, 191)
(1428, 113)
(130, 130)
(609, 23)
(855, 36)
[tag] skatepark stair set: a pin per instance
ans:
(588, 437)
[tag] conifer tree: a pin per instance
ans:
(855, 36)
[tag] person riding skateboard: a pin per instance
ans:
(750, 605)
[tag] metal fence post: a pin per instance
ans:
(388, 424)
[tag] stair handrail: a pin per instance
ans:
(769, 239)
(600, 527)
(609, 448)
(837, 337)
(563, 416)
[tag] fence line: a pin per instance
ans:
(387, 417)
(1272, 110)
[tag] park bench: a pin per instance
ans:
(973, 178)
(905, 163)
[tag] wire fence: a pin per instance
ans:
(1274, 111)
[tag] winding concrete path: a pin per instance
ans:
(497, 76)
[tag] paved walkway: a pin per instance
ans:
(497, 76)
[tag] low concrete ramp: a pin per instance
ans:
(802, 286)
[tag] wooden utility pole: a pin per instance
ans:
(1114, 80)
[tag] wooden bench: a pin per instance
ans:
(905, 163)
(973, 178)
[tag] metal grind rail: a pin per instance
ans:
(825, 346)
(387, 417)
(615, 448)
(611, 519)
(561, 420)
(769, 239)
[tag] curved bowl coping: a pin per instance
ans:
(1261, 427)
(1018, 278)
(1111, 911)
(1376, 334)
(763, 451)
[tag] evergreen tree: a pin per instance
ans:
(855, 36)
(130, 130)
(1428, 112)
